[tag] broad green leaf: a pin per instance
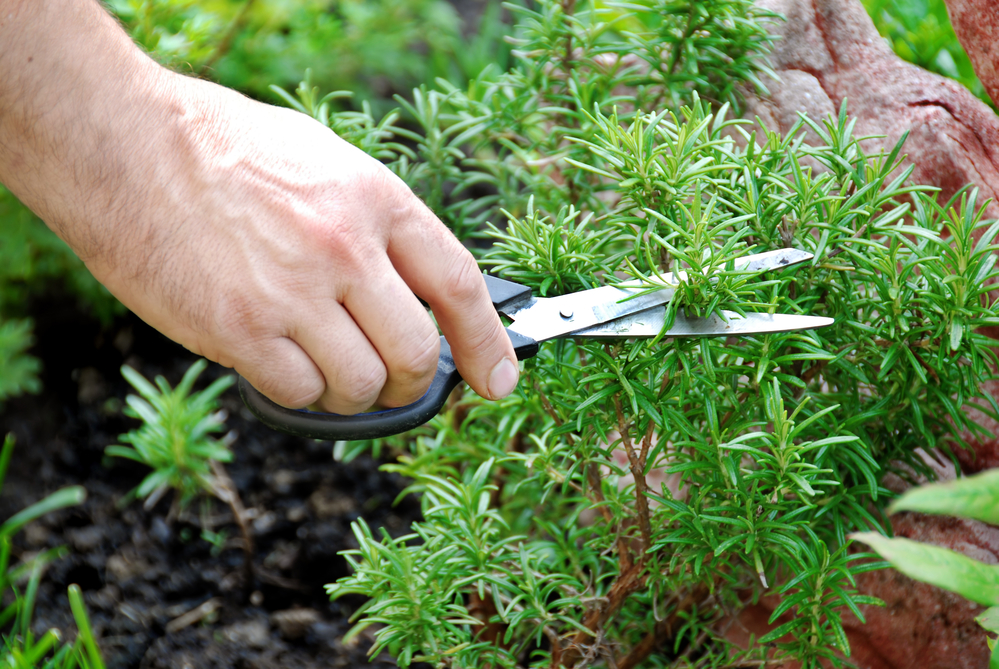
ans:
(937, 566)
(974, 497)
(989, 619)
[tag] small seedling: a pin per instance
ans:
(175, 440)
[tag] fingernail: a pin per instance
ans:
(503, 379)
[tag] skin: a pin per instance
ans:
(250, 234)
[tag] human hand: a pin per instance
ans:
(256, 237)
(292, 256)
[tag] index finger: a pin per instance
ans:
(443, 272)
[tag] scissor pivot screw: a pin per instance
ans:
(565, 313)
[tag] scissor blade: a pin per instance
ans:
(544, 318)
(649, 323)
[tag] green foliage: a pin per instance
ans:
(920, 32)
(366, 45)
(182, 34)
(633, 494)
(18, 370)
(19, 647)
(941, 567)
(974, 497)
(174, 438)
(32, 258)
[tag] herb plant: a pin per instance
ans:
(633, 496)
(175, 440)
(175, 436)
(19, 648)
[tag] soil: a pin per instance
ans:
(141, 569)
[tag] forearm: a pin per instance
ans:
(80, 107)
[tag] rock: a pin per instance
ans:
(264, 523)
(86, 539)
(920, 625)
(297, 514)
(283, 556)
(252, 633)
(122, 569)
(829, 50)
(91, 387)
(36, 535)
(282, 481)
(294, 623)
(326, 503)
(976, 23)
(160, 531)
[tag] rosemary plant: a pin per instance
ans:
(175, 440)
(633, 496)
(175, 436)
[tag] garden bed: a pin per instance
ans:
(142, 574)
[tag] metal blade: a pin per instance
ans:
(544, 318)
(649, 323)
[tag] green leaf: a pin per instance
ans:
(989, 619)
(975, 497)
(937, 566)
(778, 632)
(956, 332)
(70, 496)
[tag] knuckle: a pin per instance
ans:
(376, 181)
(337, 239)
(462, 281)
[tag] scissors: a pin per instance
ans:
(608, 312)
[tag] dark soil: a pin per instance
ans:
(139, 569)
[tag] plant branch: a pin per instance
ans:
(556, 645)
(627, 583)
(662, 631)
(637, 465)
(225, 490)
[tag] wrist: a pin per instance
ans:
(81, 110)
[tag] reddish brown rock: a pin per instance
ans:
(829, 51)
(976, 23)
(920, 625)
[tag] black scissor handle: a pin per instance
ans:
(375, 424)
